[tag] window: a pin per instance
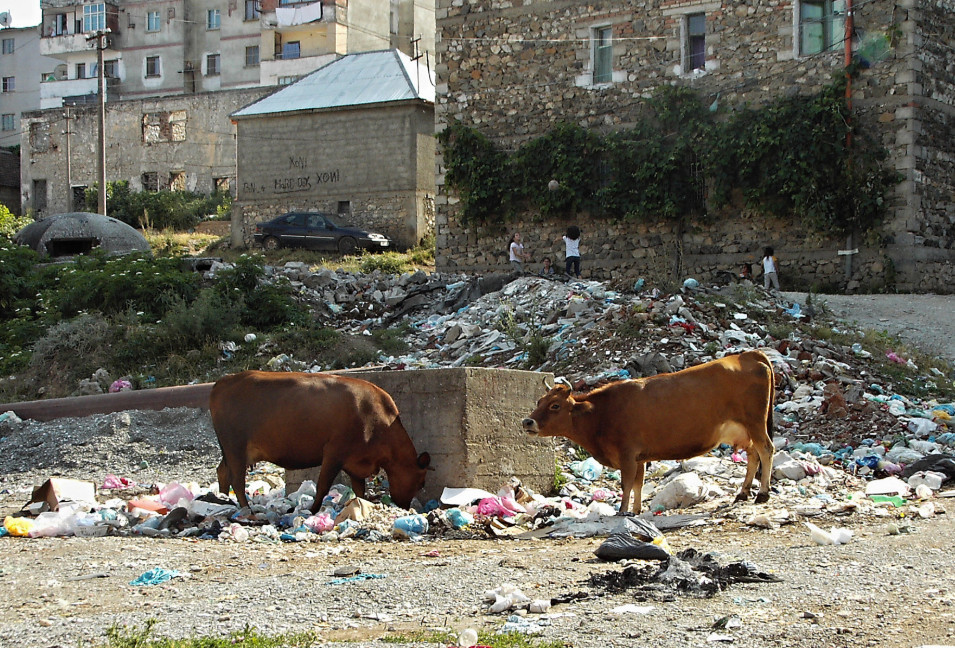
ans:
(821, 25)
(8, 122)
(213, 19)
(111, 69)
(8, 46)
(58, 25)
(177, 181)
(150, 181)
(287, 80)
(603, 54)
(695, 42)
(152, 66)
(152, 21)
(94, 17)
(39, 195)
(212, 65)
(9, 84)
(251, 9)
(252, 56)
(81, 70)
(291, 50)
(221, 185)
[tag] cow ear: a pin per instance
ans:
(424, 460)
(577, 407)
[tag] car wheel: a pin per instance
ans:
(347, 245)
(270, 243)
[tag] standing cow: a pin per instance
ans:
(678, 415)
(299, 420)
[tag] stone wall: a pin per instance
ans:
(514, 70)
(374, 166)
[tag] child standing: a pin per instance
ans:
(769, 269)
(572, 254)
(517, 254)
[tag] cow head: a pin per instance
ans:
(406, 482)
(554, 413)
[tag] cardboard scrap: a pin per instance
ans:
(55, 491)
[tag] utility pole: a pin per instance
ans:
(69, 172)
(848, 61)
(100, 37)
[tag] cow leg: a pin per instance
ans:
(766, 450)
(752, 463)
(326, 477)
(357, 485)
(631, 478)
(238, 484)
(225, 481)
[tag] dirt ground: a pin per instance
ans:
(877, 590)
(880, 589)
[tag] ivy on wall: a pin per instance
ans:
(683, 159)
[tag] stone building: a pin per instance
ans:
(354, 138)
(185, 142)
(513, 70)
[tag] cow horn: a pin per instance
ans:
(547, 384)
(563, 381)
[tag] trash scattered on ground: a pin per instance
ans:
(155, 576)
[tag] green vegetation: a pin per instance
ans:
(154, 322)
(10, 223)
(178, 210)
(139, 637)
(787, 159)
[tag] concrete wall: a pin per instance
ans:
(379, 160)
(514, 70)
(469, 421)
(189, 134)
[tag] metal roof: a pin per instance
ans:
(352, 80)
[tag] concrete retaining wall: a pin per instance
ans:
(469, 421)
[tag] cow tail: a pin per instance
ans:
(770, 424)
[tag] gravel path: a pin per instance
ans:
(924, 321)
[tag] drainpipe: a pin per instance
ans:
(848, 62)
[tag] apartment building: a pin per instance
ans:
(159, 48)
(21, 70)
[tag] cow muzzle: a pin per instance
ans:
(530, 426)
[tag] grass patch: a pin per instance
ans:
(485, 638)
(169, 242)
(140, 637)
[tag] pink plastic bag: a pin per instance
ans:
(320, 523)
(112, 481)
(172, 493)
(492, 506)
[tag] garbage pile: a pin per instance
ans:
(841, 430)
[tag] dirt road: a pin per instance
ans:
(925, 321)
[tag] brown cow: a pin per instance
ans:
(678, 415)
(299, 420)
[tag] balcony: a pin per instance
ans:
(270, 71)
(52, 92)
(57, 46)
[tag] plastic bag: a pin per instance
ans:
(620, 546)
(18, 526)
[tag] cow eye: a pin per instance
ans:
(555, 406)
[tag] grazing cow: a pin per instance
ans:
(299, 420)
(669, 416)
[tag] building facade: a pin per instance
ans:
(514, 70)
(21, 70)
(160, 48)
(185, 142)
(368, 157)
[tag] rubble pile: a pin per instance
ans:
(847, 444)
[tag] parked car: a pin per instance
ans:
(316, 231)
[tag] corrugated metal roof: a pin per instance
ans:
(352, 80)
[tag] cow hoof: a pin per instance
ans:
(742, 497)
(762, 498)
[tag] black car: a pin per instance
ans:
(316, 231)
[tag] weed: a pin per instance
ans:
(560, 477)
